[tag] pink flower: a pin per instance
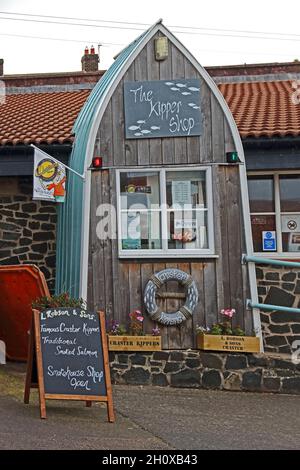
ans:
(228, 312)
(140, 318)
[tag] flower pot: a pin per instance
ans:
(228, 343)
(134, 343)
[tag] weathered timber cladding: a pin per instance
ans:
(117, 285)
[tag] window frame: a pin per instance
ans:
(165, 252)
(277, 213)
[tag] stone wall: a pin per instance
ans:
(278, 286)
(27, 227)
(197, 369)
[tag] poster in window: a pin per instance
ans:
(181, 193)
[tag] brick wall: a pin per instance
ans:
(27, 227)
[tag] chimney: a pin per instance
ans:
(90, 60)
(1, 67)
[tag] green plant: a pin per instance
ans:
(136, 323)
(224, 327)
(60, 300)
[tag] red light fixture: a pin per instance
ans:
(97, 162)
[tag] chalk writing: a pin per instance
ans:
(72, 352)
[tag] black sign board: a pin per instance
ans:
(162, 108)
(71, 355)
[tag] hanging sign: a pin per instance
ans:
(49, 178)
(68, 358)
(162, 108)
(269, 241)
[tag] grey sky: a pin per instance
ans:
(24, 55)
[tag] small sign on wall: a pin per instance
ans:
(269, 241)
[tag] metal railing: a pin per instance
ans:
(271, 262)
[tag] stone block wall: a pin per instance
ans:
(279, 286)
(27, 227)
(198, 369)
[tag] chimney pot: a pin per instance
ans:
(90, 60)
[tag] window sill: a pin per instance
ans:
(290, 255)
(166, 256)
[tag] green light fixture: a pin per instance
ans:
(232, 157)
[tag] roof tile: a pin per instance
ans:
(259, 108)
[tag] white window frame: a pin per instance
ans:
(165, 252)
(277, 214)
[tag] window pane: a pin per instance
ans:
(187, 230)
(290, 226)
(186, 188)
(140, 230)
(261, 193)
(290, 193)
(261, 223)
(139, 190)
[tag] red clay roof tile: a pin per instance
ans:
(259, 108)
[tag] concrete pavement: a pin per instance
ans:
(150, 418)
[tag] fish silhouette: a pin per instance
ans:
(180, 85)
(134, 128)
(155, 128)
(138, 133)
(192, 88)
(175, 89)
(196, 107)
(145, 131)
(169, 83)
(192, 104)
(185, 93)
(141, 122)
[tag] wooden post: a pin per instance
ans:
(39, 360)
(109, 404)
(30, 358)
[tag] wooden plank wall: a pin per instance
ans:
(117, 286)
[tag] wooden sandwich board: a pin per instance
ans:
(68, 358)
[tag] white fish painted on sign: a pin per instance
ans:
(141, 122)
(145, 131)
(196, 107)
(169, 83)
(174, 89)
(185, 93)
(138, 133)
(180, 85)
(134, 128)
(192, 88)
(155, 128)
(192, 104)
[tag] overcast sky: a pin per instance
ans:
(210, 46)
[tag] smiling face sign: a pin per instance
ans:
(48, 179)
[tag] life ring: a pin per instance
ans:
(155, 282)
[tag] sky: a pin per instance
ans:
(217, 32)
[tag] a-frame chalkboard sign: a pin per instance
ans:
(68, 358)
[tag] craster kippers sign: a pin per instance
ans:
(162, 108)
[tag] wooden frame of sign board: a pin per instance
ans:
(35, 357)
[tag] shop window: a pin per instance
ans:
(165, 212)
(275, 212)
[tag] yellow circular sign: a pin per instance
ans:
(46, 170)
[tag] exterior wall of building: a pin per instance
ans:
(196, 369)
(279, 287)
(116, 285)
(27, 227)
